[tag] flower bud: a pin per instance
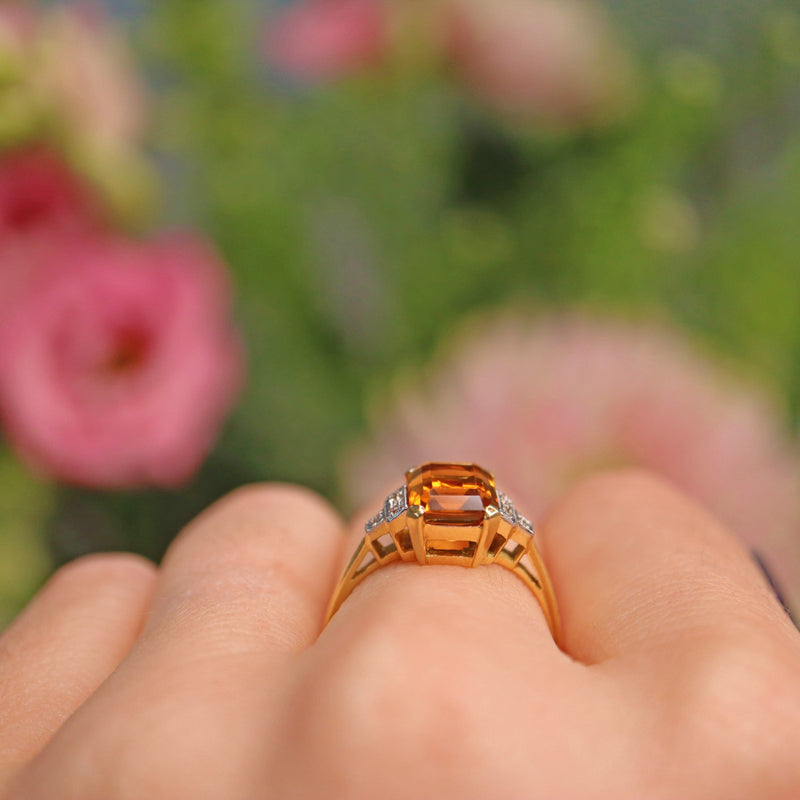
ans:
(555, 62)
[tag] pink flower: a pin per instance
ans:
(326, 39)
(119, 361)
(69, 79)
(553, 61)
(542, 404)
(40, 198)
(17, 24)
(40, 195)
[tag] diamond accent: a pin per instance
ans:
(507, 510)
(374, 522)
(525, 524)
(396, 504)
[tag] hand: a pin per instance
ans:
(209, 679)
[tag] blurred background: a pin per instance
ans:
(322, 240)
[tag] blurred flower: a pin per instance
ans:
(83, 75)
(83, 70)
(40, 199)
(16, 27)
(552, 61)
(326, 39)
(66, 77)
(541, 405)
(119, 361)
(41, 195)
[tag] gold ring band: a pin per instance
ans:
(450, 513)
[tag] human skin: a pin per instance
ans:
(209, 678)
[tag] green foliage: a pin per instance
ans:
(24, 559)
(362, 219)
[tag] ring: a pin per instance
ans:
(449, 513)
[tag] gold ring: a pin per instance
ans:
(448, 513)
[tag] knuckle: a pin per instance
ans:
(397, 689)
(744, 673)
(114, 758)
(239, 559)
(747, 694)
(98, 571)
(235, 526)
(266, 500)
(625, 484)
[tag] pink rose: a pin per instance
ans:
(40, 198)
(40, 195)
(554, 61)
(120, 361)
(326, 39)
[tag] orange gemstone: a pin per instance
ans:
(451, 494)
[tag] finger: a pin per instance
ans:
(637, 566)
(68, 640)
(253, 573)
(240, 590)
(470, 646)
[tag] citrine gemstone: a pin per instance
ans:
(451, 494)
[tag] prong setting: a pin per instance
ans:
(450, 513)
(463, 519)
